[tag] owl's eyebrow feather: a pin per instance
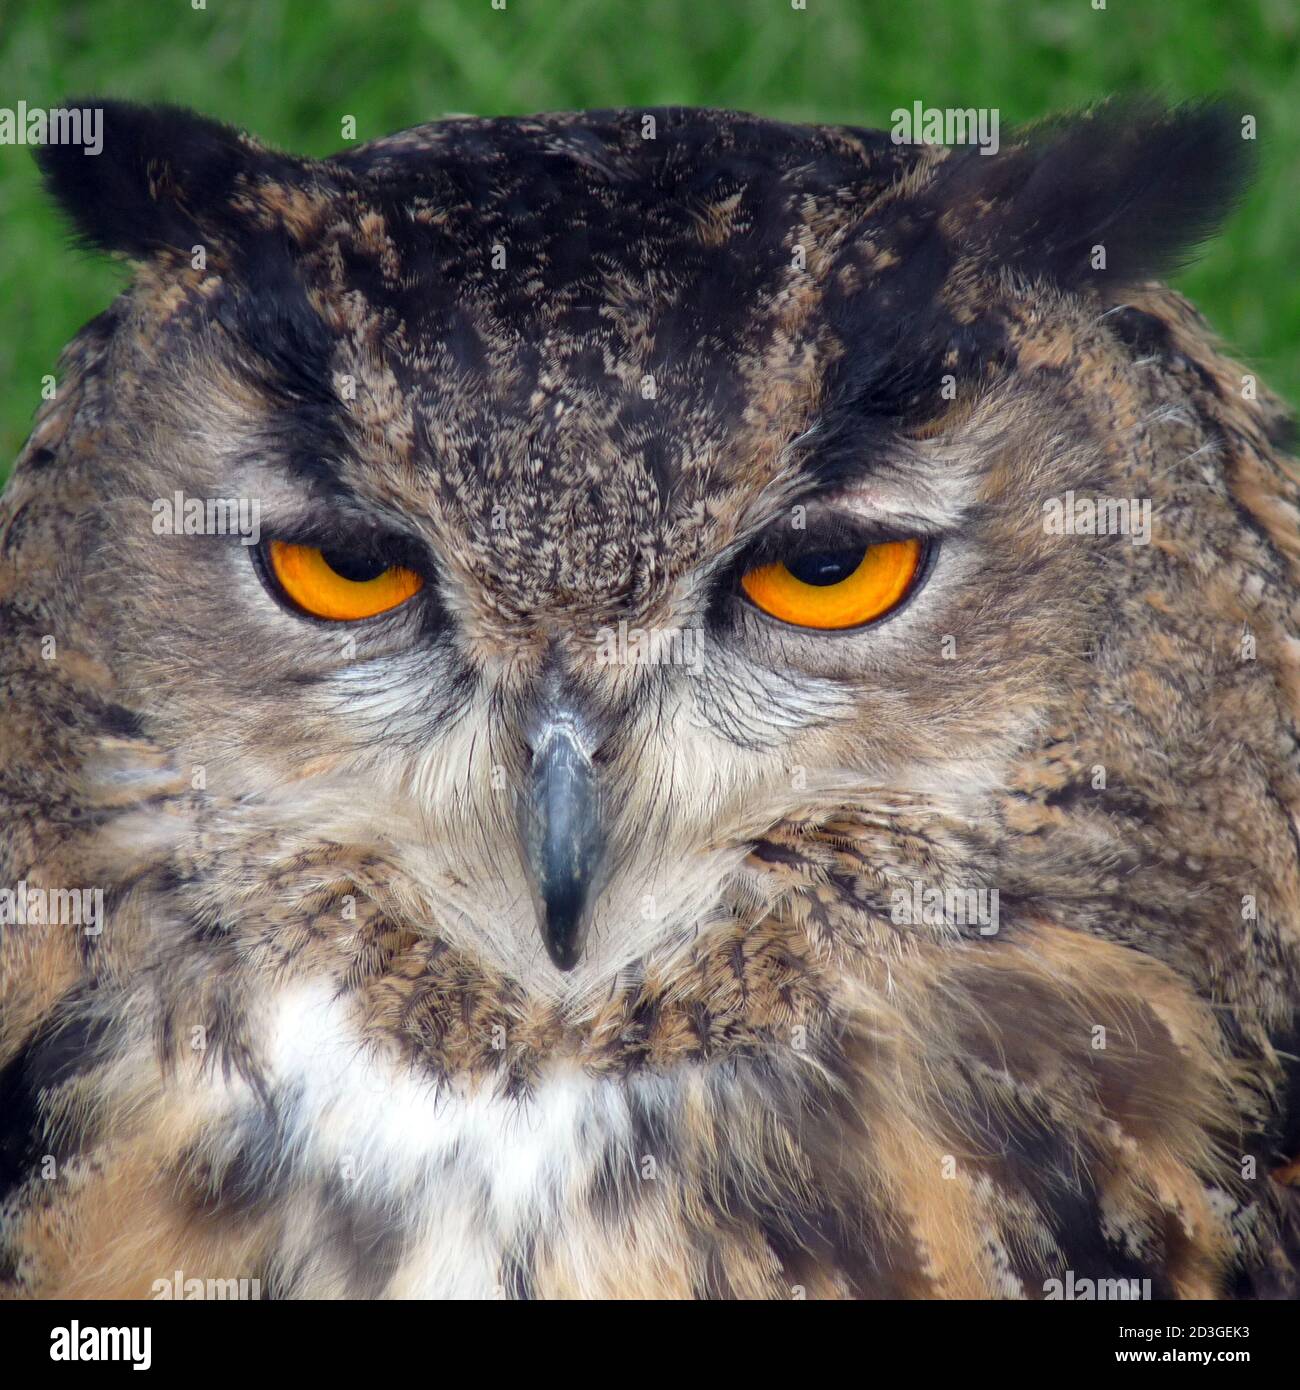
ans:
(334, 515)
(266, 309)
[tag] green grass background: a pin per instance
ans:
(291, 71)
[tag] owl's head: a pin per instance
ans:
(542, 517)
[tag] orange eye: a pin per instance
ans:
(338, 585)
(836, 588)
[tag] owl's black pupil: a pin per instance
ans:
(354, 565)
(826, 566)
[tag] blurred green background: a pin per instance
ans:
(290, 72)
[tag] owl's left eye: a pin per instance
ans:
(837, 587)
(339, 584)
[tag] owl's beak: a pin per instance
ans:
(561, 834)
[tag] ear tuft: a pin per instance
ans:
(1122, 193)
(161, 169)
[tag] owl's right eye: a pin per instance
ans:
(338, 585)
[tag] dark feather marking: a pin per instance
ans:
(68, 1044)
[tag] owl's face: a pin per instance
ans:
(665, 705)
(614, 498)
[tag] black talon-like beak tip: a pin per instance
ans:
(561, 931)
(563, 881)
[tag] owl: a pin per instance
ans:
(651, 704)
